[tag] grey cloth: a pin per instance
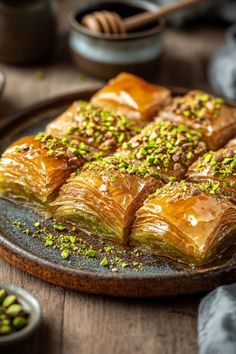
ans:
(224, 9)
(217, 321)
(222, 72)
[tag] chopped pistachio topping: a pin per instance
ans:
(103, 128)
(162, 148)
(159, 148)
(65, 254)
(75, 152)
(59, 227)
(200, 107)
(117, 165)
(183, 189)
(17, 223)
(104, 262)
(90, 253)
(221, 164)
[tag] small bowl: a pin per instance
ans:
(31, 305)
(105, 55)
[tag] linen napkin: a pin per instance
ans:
(217, 321)
(224, 9)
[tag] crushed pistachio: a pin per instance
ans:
(59, 227)
(154, 153)
(104, 262)
(73, 244)
(75, 152)
(220, 164)
(65, 254)
(37, 224)
(200, 107)
(90, 253)
(183, 189)
(102, 128)
(18, 223)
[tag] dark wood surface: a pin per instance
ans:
(75, 323)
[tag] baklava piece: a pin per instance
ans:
(104, 197)
(211, 116)
(34, 168)
(186, 222)
(137, 99)
(218, 167)
(103, 129)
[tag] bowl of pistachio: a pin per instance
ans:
(20, 314)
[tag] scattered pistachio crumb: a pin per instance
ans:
(39, 74)
(37, 224)
(65, 254)
(59, 227)
(90, 253)
(104, 262)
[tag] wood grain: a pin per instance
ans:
(81, 324)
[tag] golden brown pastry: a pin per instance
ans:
(136, 98)
(186, 222)
(34, 168)
(104, 197)
(231, 143)
(104, 129)
(211, 116)
(219, 167)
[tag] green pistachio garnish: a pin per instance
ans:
(105, 128)
(221, 163)
(59, 227)
(90, 253)
(183, 189)
(159, 148)
(104, 262)
(65, 254)
(75, 152)
(201, 108)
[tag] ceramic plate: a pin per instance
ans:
(158, 277)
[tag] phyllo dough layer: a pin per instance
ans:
(136, 98)
(231, 143)
(104, 129)
(219, 167)
(34, 168)
(211, 116)
(104, 197)
(167, 147)
(186, 222)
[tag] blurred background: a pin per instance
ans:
(197, 50)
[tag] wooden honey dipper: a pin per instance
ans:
(112, 23)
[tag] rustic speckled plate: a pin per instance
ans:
(159, 276)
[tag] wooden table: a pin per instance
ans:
(75, 323)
